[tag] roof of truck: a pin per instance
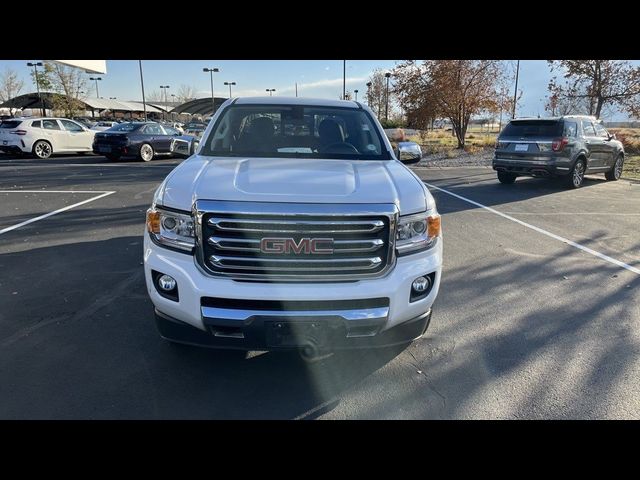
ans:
(278, 100)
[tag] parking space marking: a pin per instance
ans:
(540, 230)
(55, 212)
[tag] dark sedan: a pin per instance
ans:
(143, 140)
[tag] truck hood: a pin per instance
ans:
(292, 180)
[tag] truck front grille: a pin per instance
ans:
(295, 242)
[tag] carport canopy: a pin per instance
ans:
(32, 100)
(199, 106)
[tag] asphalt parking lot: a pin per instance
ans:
(537, 315)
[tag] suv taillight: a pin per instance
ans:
(559, 143)
(19, 132)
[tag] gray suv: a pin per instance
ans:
(567, 147)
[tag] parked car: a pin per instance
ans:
(195, 129)
(102, 126)
(567, 147)
(315, 239)
(44, 137)
(144, 140)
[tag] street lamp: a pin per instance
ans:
(271, 90)
(173, 102)
(386, 108)
(213, 101)
(515, 92)
(356, 92)
(229, 83)
(96, 80)
(164, 112)
(35, 68)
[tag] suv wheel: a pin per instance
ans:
(42, 149)
(576, 175)
(616, 171)
(506, 178)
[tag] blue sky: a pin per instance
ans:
(315, 78)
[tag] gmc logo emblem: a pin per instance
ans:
(308, 246)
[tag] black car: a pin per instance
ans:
(144, 140)
(567, 147)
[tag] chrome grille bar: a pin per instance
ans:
(295, 225)
(253, 244)
(294, 264)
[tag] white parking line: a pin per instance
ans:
(540, 230)
(55, 212)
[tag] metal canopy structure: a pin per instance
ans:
(31, 100)
(199, 106)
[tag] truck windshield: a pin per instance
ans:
(284, 131)
(533, 128)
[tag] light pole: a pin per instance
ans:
(213, 101)
(270, 90)
(35, 66)
(144, 103)
(386, 108)
(344, 79)
(96, 80)
(229, 83)
(173, 102)
(356, 92)
(164, 112)
(515, 93)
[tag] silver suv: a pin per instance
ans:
(567, 147)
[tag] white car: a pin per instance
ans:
(102, 126)
(313, 237)
(44, 136)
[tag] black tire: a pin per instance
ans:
(42, 149)
(146, 152)
(506, 178)
(575, 179)
(112, 158)
(616, 171)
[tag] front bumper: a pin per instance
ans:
(195, 288)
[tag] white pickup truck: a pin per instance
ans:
(293, 226)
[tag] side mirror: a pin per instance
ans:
(612, 136)
(408, 152)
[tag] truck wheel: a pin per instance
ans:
(576, 175)
(42, 149)
(616, 171)
(506, 178)
(146, 152)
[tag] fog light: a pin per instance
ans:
(166, 283)
(419, 285)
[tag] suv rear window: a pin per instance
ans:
(10, 123)
(533, 128)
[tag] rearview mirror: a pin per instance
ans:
(408, 152)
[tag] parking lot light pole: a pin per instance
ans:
(213, 100)
(356, 92)
(271, 90)
(164, 112)
(144, 103)
(386, 108)
(96, 80)
(515, 93)
(35, 66)
(229, 83)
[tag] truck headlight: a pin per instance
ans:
(171, 229)
(417, 233)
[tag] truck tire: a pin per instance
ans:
(616, 171)
(506, 178)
